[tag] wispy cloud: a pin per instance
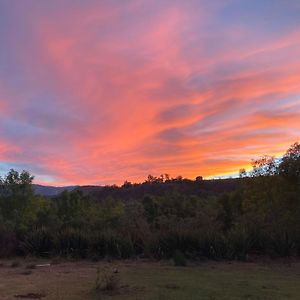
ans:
(103, 91)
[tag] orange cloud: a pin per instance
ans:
(115, 91)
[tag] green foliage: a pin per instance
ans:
(39, 242)
(72, 243)
(150, 208)
(163, 244)
(240, 243)
(290, 165)
(212, 245)
(110, 244)
(8, 242)
(282, 243)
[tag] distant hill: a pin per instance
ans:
(202, 188)
(51, 191)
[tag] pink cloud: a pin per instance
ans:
(114, 92)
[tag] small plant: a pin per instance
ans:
(179, 259)
(106, 280)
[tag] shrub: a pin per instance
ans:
(73, 243)
(8, 243)
(239, 243)
(179, 259)
(282, 243)
(38, 242)
(212, 245)
(97, 246)
(118, 247)
(162, 245)
(106, 280)
(110, 244)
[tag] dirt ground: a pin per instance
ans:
(66, 280)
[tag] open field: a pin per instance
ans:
(150, 280)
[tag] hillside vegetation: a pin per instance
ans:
(256, 214)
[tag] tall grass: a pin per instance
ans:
(39, 242)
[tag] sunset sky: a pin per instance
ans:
(98, 92)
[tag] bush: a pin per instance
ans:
(212, 245)
(239, 243)
(282, 243)
(8, 243)
(119, 247)
(179, 259)
(38, 242)
(73, 243)
(106, 280)
(97, 246)
(162, 245)
(110, 244)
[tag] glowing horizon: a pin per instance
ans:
(99, 92)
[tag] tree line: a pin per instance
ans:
(256, 214)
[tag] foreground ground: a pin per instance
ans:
(149, 280)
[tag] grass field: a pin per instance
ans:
(150, 280)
